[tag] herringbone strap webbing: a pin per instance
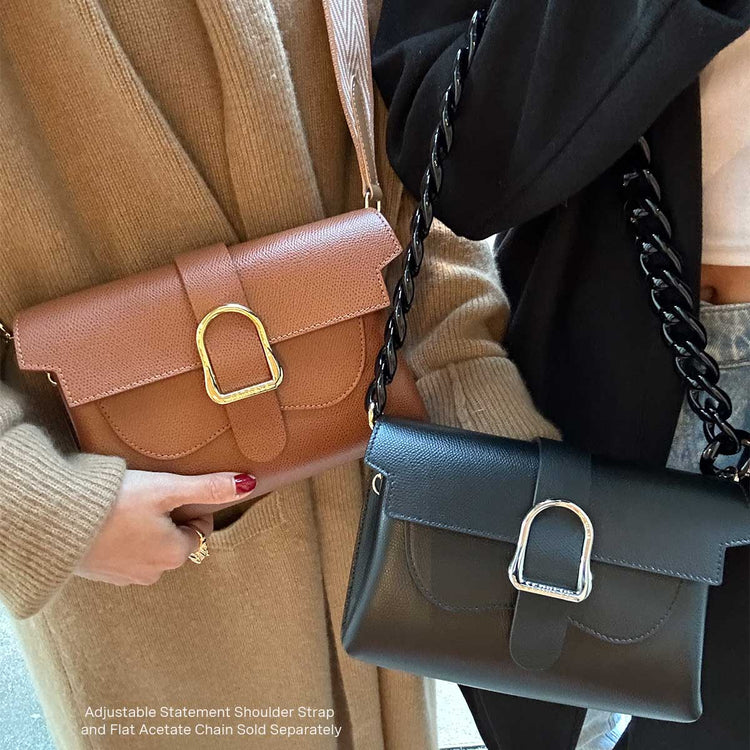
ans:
(349, 39)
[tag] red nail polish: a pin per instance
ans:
(244, 483)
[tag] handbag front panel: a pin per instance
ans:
(438, 603)
(171, 425)
(158, 367)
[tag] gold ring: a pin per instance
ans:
(202, 552)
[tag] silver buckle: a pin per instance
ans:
(515, 570)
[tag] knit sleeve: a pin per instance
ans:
(51, 506)
(456, 325)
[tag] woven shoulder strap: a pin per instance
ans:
(349, 39)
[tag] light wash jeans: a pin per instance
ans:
(728, 329)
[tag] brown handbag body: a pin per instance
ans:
(252, 358)
(127, 355)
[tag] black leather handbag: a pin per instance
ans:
(532, 568)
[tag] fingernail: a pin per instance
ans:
(244, 483)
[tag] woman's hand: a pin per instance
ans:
(139, 540)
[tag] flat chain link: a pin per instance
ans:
(403, 292)
(674, 304)
(671, 298)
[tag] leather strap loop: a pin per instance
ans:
(553, 555)
(210, 280)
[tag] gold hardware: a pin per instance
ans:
(515, 570)
(5, 333)
(202, 552)
(368, 199)
(212, 385)
(51, 379)
(371, 416)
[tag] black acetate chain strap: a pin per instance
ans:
(673, 302)
(671, 298)
(403, 293)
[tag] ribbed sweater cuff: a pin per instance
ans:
(51, 507)
(486, 395)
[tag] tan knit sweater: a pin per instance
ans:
(131, 130)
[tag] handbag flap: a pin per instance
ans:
(658, 521)
(462, 573)
(309, 286)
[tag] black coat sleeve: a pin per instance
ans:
(559, 89)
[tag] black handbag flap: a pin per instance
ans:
(659, 521)
(468, 574)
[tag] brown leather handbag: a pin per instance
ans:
(254, 357)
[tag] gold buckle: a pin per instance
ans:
(515, 570)
(212, 385)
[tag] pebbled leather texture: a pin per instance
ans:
(673, 522)
(125, 357)
(429, 590)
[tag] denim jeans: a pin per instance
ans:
(601, 730)
(728, 329)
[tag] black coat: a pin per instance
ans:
(558, 92)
